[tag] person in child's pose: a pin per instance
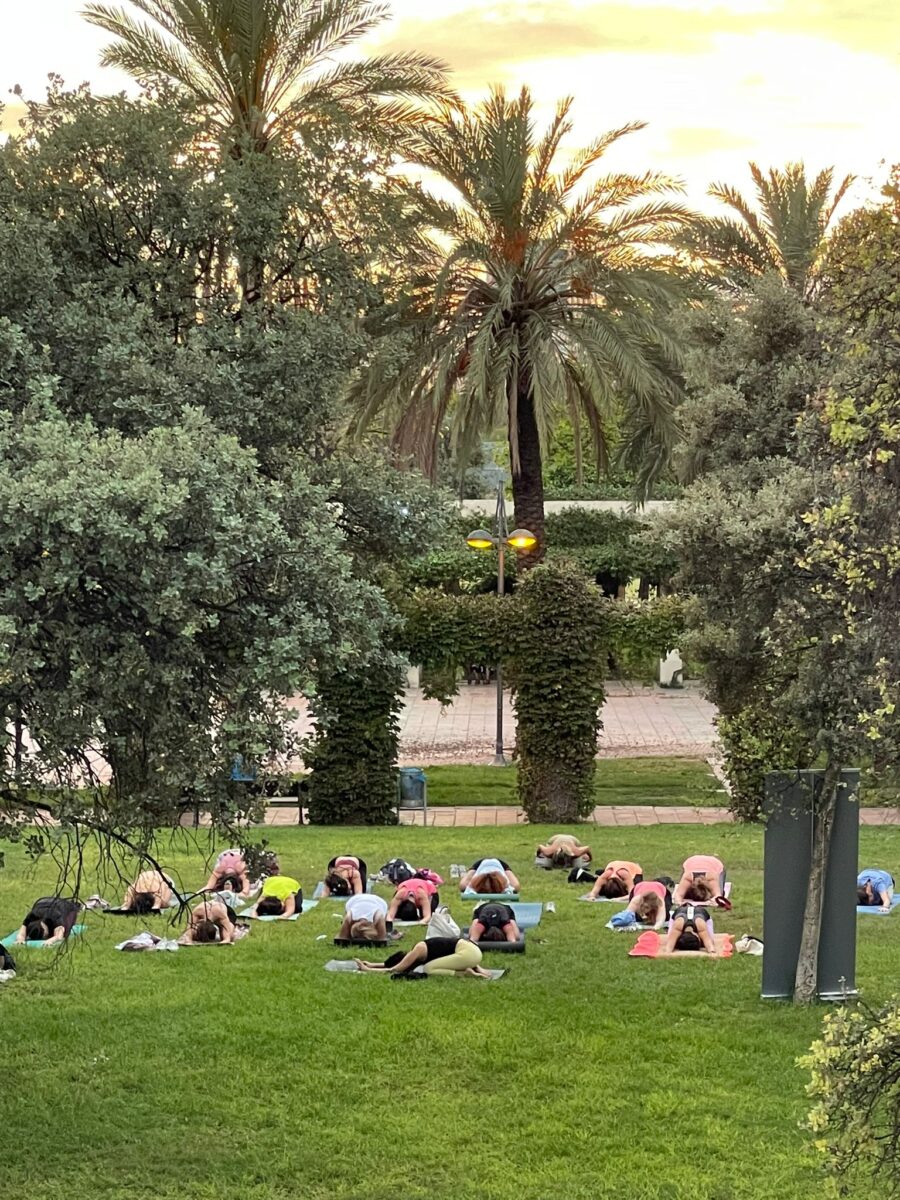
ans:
(703, 869)
(365, 919)
(650, 904)
(414, 900)
(50, 920)
(281, 897)
(490, 877)
(875, 889)
(616, 880)
(151, 892)
(347, 876)
(563, 849)
(229, 874)
(211, 924)
(494, 922)
(689, 930)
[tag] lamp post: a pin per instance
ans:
(519, 539)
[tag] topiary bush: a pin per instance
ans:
(353, 754)
(556, 662)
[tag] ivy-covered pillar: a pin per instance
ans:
(556, 656)
(353, 756)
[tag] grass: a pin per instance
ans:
(672, 782)
(250, 1071)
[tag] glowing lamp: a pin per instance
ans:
(522, 539)
(480, 539)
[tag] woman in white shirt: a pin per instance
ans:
(365, 918)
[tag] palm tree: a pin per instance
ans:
(536, 295)
(265, 68)
(785, 232)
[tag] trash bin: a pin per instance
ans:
(412, 790)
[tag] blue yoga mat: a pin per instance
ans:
(866, 908)
(527, 915)
(507, 897)
(319, 893)
(10, 940)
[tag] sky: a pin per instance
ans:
(719, 82)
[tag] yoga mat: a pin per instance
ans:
(508, 897)
(319, 893)
(878, 912)
(650, 945)
(623, 900)
(251, 916)
(636, 928)
(527, 915)
(350, 967)
(504, 947)
(10, 940)
(389, 941)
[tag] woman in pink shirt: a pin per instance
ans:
(616, 880)
(702, 879)
(414, 900)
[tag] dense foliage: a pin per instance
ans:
(855, 1083)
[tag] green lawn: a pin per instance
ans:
(673, 782)
(248, 1071)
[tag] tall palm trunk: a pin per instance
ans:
(527, 475)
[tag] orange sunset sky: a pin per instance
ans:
(719, 81)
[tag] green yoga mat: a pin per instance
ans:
(10, 940)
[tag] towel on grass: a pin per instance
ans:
(250, 915)
(319, 893)
(879, 912)
(148, 941)
(652, 945)
(10, 940)
(348, 965)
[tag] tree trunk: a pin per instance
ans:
(805, 982)
(527, 474)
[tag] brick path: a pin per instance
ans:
(620, 815)
(637, 721)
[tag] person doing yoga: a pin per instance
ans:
(563, 849)
(365, 919)
(650, 904)
(414, 900)
(436, 956)
(490, 877)
(494, 922)
(50, 919)
(346, 876)
(689, 930)
(875, 889)
(702, 879)
(281, 896)
(229, 874)
(211, 923)
(616, 880)
(151, 892)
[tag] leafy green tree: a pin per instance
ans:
(539, 296)
(154, 609)
(268, 70)
(789, 678)
(784, 231)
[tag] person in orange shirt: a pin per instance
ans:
(616, 880)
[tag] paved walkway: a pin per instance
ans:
(637, 721)
(636, 814)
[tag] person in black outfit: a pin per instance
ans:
(50, 920)
(436, 956)
(494, 922)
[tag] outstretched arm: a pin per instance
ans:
(706, 937)
(356, 886)
(675, 929)
(290, 907)
(393, 906)
(344, 931)
(677, 895)
(513, 880)
(512, 932)
(21, 936)
(466, 880)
